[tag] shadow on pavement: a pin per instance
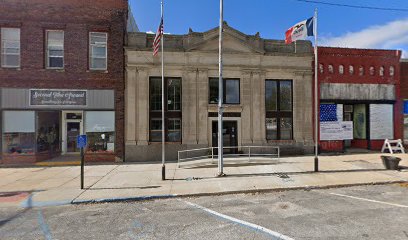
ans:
(19, 213)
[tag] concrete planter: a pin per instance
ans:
(390, 162)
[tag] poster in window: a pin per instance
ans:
(360, 121)
(381, 121)
(339, 112)
(331, 131)
(347, 127)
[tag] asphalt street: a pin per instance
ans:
(363, 212)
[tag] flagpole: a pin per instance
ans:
(163, 85)
(316, 159)
(220, 98)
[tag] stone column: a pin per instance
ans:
(189, 107)
(246, 103)
(142, 106)
(303, 106)
(257, 105)
(202, 113)
(130, 106)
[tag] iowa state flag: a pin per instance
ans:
(300, 31)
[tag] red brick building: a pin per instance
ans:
(404, 96)
(360, 103)
(61, 75)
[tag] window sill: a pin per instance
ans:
(56, 69)
(11, 68)
(97, 70)
(281, 141)
(169, 143)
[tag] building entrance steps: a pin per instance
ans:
(118, 182)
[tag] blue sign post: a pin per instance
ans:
(81, 143)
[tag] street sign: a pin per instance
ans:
(81, 141)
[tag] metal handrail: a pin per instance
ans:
(249, 154)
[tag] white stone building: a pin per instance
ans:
(267, 93)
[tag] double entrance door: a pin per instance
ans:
(230, 136)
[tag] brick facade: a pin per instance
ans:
(372, 61)
(404, 79)
(404, 96)
(76, 18)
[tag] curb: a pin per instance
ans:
(249, 191)
(125, 199)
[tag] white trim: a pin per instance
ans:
(90, 52)
(19, 48)
(47, 54)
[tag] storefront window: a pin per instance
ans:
(100, 130)
(48, 138)
(19, 132)
(381, 121)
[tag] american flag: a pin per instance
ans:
(328, 112)
(156, 42)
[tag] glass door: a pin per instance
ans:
(230, 136)
(73, 130)
(347, 116)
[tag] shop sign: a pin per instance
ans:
(53, 97)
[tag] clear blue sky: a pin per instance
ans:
(338, 26)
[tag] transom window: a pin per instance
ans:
(55, 49)
(173, 114)
(279, 110)
(98, 50)
(231, 91)
(10, 47)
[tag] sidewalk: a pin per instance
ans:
(47, 186)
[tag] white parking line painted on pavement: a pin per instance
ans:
(274, 234)
(370, 200)
(44, 227)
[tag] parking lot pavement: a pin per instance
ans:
(363, 212)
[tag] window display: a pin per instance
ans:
(100, 130)
(19, 132)
(48, 132)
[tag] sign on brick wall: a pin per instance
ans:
(55, 97)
